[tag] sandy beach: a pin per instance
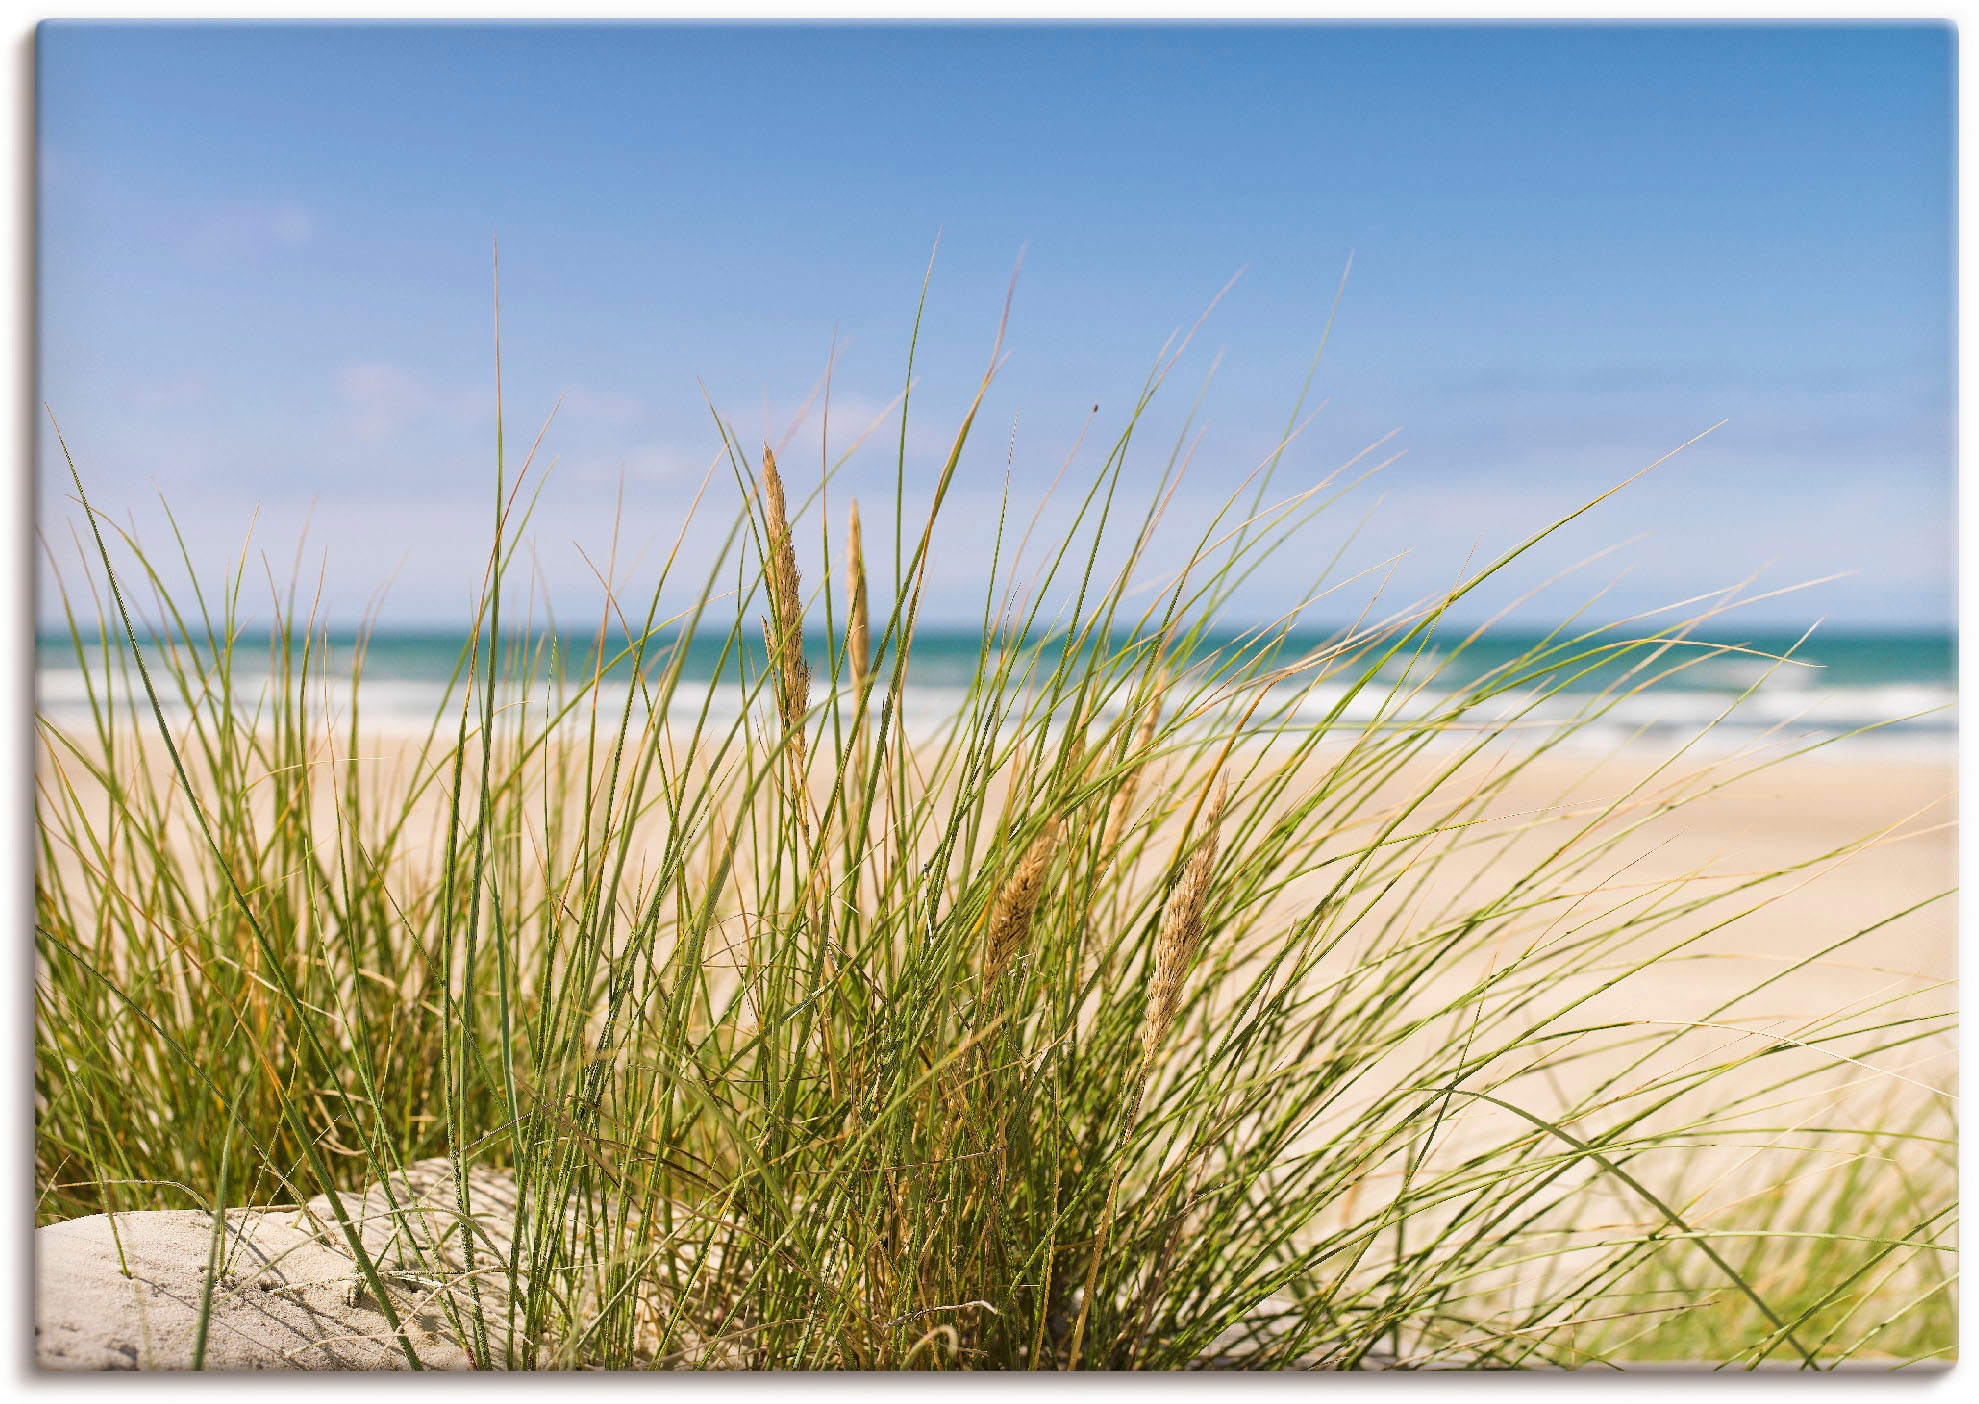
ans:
(1812, 811)
(1872, 835)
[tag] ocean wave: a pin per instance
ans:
(1914, 716)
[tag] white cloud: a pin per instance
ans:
(382, 400)
(641, 463)
(176, 393)
(253, 226)
(600, 405)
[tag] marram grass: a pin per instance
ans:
(1140, 1017)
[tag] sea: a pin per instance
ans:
(1889, 693)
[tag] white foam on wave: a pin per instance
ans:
(1914, 717)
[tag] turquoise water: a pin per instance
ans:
(1901, 682)
(947, 657)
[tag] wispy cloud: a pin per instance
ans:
(252, 227)
(179, 392)
(602, 406)
(382, 400)
(640, 463)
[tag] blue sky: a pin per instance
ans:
(264, 284)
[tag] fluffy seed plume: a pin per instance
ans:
(858, 638)
(1182, 929)
(1016, 904)
(783, 631)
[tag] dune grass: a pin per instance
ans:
(1167, 1006)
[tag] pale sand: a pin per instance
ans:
(1789, 814)
(1750, 972)
(124, 1292)
(1786, 814)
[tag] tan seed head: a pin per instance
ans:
(784, 631)
(858, 638)
(1182, 929)
(1015, 907)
